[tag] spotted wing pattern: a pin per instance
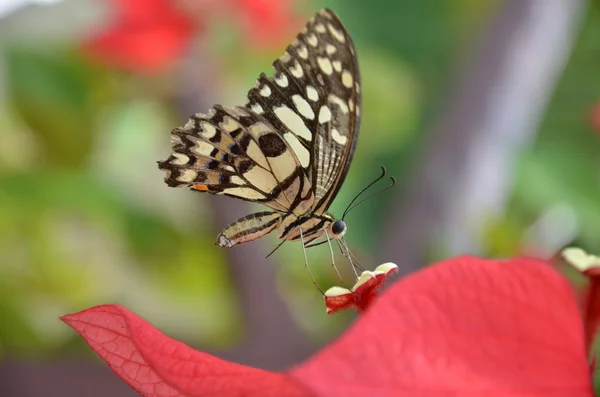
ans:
(313, 101)
(237, 153)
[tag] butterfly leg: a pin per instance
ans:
(275, 249)
(347, 255)
(333, 260)
(306, 263)
(356, 261)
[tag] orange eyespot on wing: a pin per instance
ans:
(200, 187)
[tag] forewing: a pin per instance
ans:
(313, 102)
(238, 153)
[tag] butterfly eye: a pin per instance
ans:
(338, 228)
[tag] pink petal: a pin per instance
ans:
(463, 327)
(156, 365)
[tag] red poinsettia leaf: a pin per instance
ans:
(463, 327)
(156, 365)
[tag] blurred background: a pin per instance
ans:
(486, 111)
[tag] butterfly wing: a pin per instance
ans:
(237, 153)
(313, 101)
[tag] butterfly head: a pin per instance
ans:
(338, 229)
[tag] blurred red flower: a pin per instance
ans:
(149, 35)
(145, 35)
(267, 23)
(464, 327)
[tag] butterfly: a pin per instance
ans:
(289, 147)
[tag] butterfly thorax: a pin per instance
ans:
(310, 227)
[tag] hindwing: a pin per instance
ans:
(237, 153)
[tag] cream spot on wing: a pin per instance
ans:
(339, 36)
(176, 139)
(187, 176)
(298, 148)
(351, 104)
(311, 93)
(180, 159)
(244, 192)
(312, 40)
(357, 87)
(357, 110)
(202, 148)
(236, 180)
(285, 57)
(229, 168)
(292, 121)
(229, 124)
(330, 49)
(325, 65)
(336, 100)
(347, 79)
(338, 137)
(324, 115)
(256, 108)
(261, 178)
(303, 52)
(259, 128)
(296, 70)
(337, 66)
(254, 152)
(283, 165)
(325, 13)
(303, 107)
(320, 28)
(282, 80)
(265, 91)
(320, 79)
(238, 111)
(208, 130)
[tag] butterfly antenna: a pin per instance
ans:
(276, 248)
(371, 196)
(383, 172)
(333, 261)
(306, 264)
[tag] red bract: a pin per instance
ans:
(362, 293)
(145, 35)
(463, 327)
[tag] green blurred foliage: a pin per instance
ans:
(56, 96)
(85, 218)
